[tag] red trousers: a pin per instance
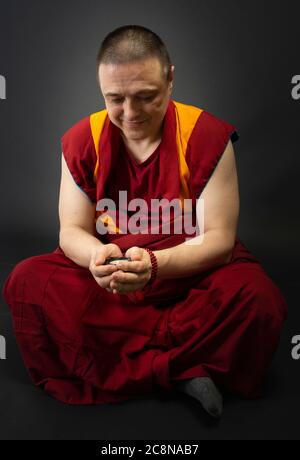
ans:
(84, 345)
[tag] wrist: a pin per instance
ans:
(163, 257)
(153, 266)
(93, 250)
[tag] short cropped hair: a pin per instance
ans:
(132, 43)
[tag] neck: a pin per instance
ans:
(143, 144)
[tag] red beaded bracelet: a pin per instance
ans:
(153, 260)
(140, 295)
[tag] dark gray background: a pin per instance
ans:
(234, 59)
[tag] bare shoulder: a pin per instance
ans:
(75, 208)
(225, 171)
(221, 194)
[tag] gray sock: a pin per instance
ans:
(205, 391)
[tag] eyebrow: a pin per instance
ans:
(142, 91)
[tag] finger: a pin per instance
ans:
(137, 266)
(135, 253)
(100, 259)
(125, 288)
(126, 277)
(115, 289)
(105, 281)
(104, 270)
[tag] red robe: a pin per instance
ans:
(84, 345)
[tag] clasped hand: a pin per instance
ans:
(125, 276)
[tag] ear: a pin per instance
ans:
(171, 81)
(172, 73)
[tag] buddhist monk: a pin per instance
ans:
(122, 308)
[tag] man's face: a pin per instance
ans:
(136, 96)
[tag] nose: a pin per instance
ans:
(130, 110)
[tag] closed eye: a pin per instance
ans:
(117, 101)
(147, 98)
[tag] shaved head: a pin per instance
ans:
(133, 43)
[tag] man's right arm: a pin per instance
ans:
(77, 237)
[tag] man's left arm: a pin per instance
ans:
(221, 211)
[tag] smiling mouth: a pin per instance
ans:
(133, 122)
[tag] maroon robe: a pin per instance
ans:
(85, 345)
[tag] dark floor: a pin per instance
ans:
(28, 413)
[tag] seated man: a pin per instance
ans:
(198, 314)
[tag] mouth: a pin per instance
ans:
(133, 123)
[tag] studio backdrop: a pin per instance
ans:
(237, 60)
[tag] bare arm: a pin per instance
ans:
(221, 210)
(76, 214)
